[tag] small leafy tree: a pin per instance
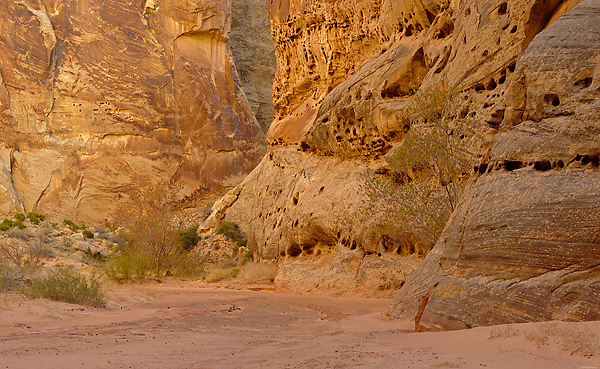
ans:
(148, 224)
(425, 176)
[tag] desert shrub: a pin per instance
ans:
(258, 272)
(20, 217)
(414, 194)
(188, 237)
(129, 266)
(218, 273)
(35, 218)
(73, 226)
(22, 255)
(187, 265)
(88, 234)
(19, 224)
(65, 283)
(233, 232)
(147, 227)
(246, 255)
(6, 225)
(5, 277)
(102, 233)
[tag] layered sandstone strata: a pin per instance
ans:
(98, 98)
(525, 243)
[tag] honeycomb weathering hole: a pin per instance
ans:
(503, 8)
(552, 99)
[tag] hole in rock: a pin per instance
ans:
(514, 29)
(584, 83)
(503, 8)
(295, 198)
(511, 67)
(294, 250)
(590, 159)
(482, 168)
(430, 16)
(543, 165)
(511, 165)
(491, 85)
(479, 87)
(552, 99)
(560, 164)
(321, 190)
(308, 249)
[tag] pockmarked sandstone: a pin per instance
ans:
(98, 98)
(524, 244)
(346, 73)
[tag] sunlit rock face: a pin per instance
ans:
(99, 97)
(525, 243)
(346, 72)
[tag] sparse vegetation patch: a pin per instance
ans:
(65, 283)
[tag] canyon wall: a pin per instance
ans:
(346, 73)
(99, 97)
(525, 243)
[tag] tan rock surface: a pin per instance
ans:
(98, 98)
(253, 52)
(346, 74)
(524, 244)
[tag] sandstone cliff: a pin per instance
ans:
(345, 76)
(98, 98)
(525, 243)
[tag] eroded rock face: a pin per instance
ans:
(525, 243)
(253, 52)
(100, 97)
(346, 74)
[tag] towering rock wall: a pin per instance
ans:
(99, 97)
(525, 243)
(253, 52)
(346, 74)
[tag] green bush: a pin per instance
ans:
(19, 224)
(66, 284)
(188, 238)
(5, 279)
(129, 266)
(88, 234)
(6, 225)
(35, 218)
(20, 217)
(73, 226)
(413, 196)
(233, 232)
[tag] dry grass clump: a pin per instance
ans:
(504, 331)
(227, 269)
(249, 272)
(579, 341)
(446, 364)
(259, 272)
(576, 340)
